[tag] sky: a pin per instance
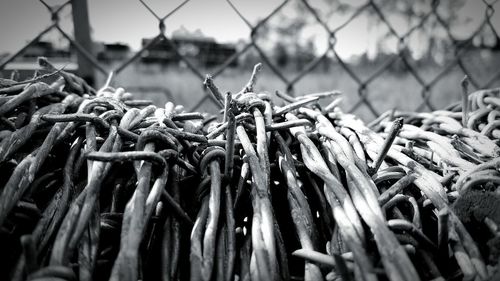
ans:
(128, 21)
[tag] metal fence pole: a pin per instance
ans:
(81, 27)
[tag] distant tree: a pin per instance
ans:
(280, 54)
(429, 42)
(432, 45)
(433, 42)
(286, 40)
(305, 54)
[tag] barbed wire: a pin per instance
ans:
(458, 48)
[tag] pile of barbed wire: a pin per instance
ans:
(95, 185)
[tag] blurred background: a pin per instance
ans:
(382, 54)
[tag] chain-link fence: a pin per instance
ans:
(423, 86)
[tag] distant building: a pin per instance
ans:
(26, 62)
(109, 52)
(44, 49)
(160, 52)
(195, 47)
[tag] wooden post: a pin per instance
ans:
(81, 27)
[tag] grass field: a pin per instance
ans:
(391, 89)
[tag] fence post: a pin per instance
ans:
(81, 27)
